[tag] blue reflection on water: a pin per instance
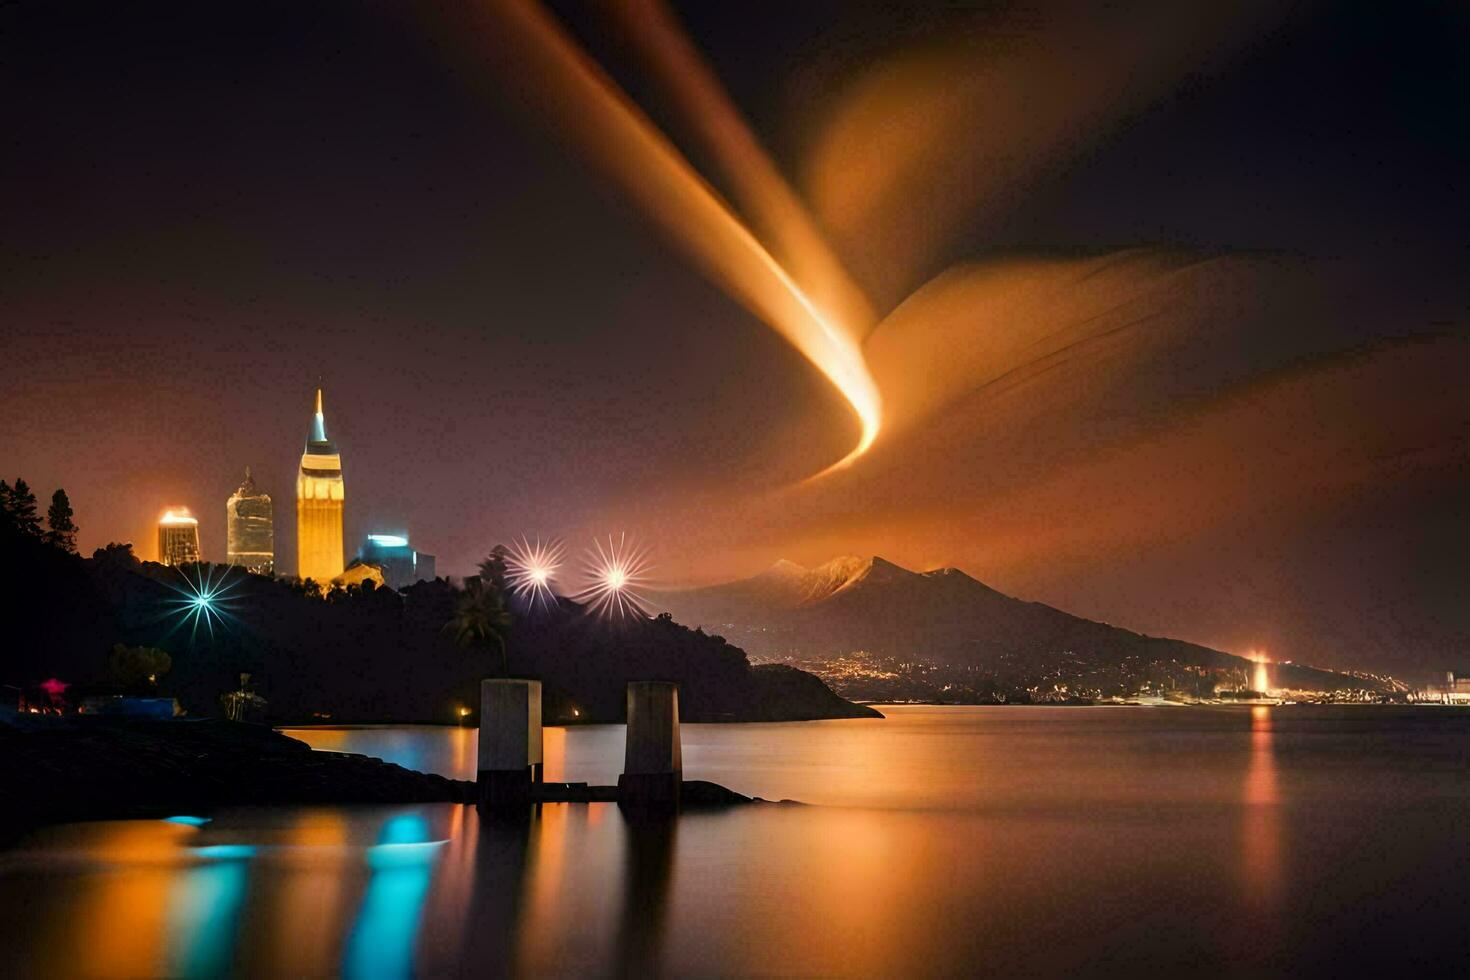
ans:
(224, 852)
(382, 940)
(188, 821)
(204, 911)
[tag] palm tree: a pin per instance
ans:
(481, 620)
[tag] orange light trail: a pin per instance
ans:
(592, 111)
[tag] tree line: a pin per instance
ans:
(19, 515)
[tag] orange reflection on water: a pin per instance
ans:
(554, 754)
(856, 852)
(452, 893)
(1261, 853)
(466, 751)
(545, 880)
(309, 898)
(118, 926)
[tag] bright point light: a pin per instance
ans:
(615, 572)
(203, 599)
(531, 569)
(178, 516)
(1260, 679)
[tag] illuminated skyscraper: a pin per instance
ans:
(178, 537)
(250, 536)
(401, 565)
(319, 496)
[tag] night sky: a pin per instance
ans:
(1171, 306)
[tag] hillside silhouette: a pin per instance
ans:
(940, 617)
(363, 655)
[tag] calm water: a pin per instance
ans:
(939, 841)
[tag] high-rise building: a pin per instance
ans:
(250, 536)
(401, 565)
(319, 496)
(178, 537)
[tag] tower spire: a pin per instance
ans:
(318, 421)
(319, 495)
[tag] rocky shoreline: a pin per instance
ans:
(79, 768)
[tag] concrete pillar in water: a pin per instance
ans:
(510, 740)
(653, 763)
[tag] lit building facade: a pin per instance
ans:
(1454, 690)
(178, 537)
(401, 565)
(319, 499)
(359, 572)
(250, 536)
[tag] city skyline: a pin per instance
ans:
(1212, 394)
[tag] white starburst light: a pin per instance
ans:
(616, 572)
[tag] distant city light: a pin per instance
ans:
(1260, 679)
(531, 569)
(616, 573)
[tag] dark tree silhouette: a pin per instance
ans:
(116, 557)
(137, 669)
(62, 528)
(21, 509)
(481, 620)
(493, 568)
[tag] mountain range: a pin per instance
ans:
(945, 618)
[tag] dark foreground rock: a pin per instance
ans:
(697, 793)
(79, 768)
(83, 768)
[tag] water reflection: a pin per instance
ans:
(382, 940)
(1261, 848)
(648, 873)
(204, 912)
(496, 902)
(316, 873)
(1035, 841)
(117, 928)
